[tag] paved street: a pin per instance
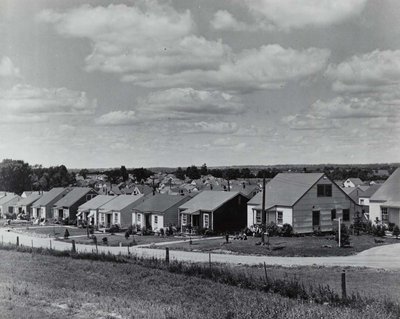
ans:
(385, 257)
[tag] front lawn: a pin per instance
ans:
(53, 231)
(307, 246)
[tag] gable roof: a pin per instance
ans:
(208, 200)
(285, 189)
(120, 202)
(355, 180)
(47, 198)
(96, 202)
(390, 190)
(161, 202)
(371, 190)
(73, 196)
(7, 198)
(28, 200)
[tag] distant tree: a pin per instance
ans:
(180, 173)
(141, 174)
(193, 172)
(357, 223)
(396, 231)
(246, 173)
(124, 173)
(84, 172)
(15, 176)
(203, 169)
(215, 172)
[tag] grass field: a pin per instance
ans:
(308, 246)
(38, 286)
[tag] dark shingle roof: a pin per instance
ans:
(161, 202)
(73, 196)
(47, 198)
(208, 200)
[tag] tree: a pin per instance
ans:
(180, 173)
(84, 172)
(15, 176)
(396, 231)
(124, 173)
(344, 236)
(203, 169)
(357, 223)
(193, 172)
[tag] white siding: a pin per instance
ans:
(250, 215)
(160, 221)
(375, 211)
(138, 219)
(287, 215)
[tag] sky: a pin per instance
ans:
(181, 82)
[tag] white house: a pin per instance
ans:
(89, 211)
(352, 182)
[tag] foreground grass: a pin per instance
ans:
(43, 286)
(308, 246)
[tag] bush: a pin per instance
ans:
(247, 231)
(378, 230)
(114, 229)
(396, 231)
(66, 233)
(273, 229)
(287, 230)
(391, 226)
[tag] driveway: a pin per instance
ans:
(385, 257)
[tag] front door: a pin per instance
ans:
(108, 220)
(196, 220)
(147, 221)
(316, 219)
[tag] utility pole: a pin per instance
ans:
(263, 219)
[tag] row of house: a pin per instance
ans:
(307, 201)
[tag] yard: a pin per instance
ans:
(307, 246)
(61, 287)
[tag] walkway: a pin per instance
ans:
(385, 257)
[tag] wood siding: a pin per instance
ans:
(303, 209)
(232, 216)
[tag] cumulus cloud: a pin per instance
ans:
(22, 118)
(308, 122)
(153, 45)
(189, 100)
(212, 127)
(117, 118)
(294, 14)
(377, 70)
(224, 20)
(27, 99)
(8, 69)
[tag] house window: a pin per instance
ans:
(324, 190)
(385, 215)
(139, 216)
(346, 215)
(155, 219)
(258, 217)
(279, 218)
(361, 202)
(184, 219)
(333, 214)
(206, 221)
(102, 218)
(116, 219)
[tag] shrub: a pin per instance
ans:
(396, 231)
(391, 226)
(247, 231)
(378, 230)
(114, 229)
(66, 234)
(287, 230)
(273, 229)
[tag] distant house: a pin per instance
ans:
(158, 211)
(384, 204)
(364, 197)
(67, 206)
(307, 201)
(352, 182)
(7, 203)
(25, 194)
(215, 210)
(24, 205)
(43, 207)
(118, 211)
(89, 211)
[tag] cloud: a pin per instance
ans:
(308, 122)
(7, 68)
(22, 119)
(373, 71)
(224, 20)
(294, 14)
(153, 45)
(212, 127)
(227, 142)
(191, 101)
(27, 99)
(117, 118)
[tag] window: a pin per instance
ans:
(184, 219)
(258, 217)
(206, 221)
(346, 215)
(155, 219)
(102, 218)
(116, 219)
(279, 218)
(139, 216)
(324, 190)
(385, 216)
(333, 214)
(361, 201)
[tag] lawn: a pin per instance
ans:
(52, 231)
(38, 286)
(308, 246)
(119, 238)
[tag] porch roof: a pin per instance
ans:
(191, 211)
(391, 204)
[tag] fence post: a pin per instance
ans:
(344, 293)
(17, 241)
(209, 260)
(128, 251)
(50, 245)
(32, 243)
(2, 242)
(167, 255)
(73, 246)
(266, 274)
